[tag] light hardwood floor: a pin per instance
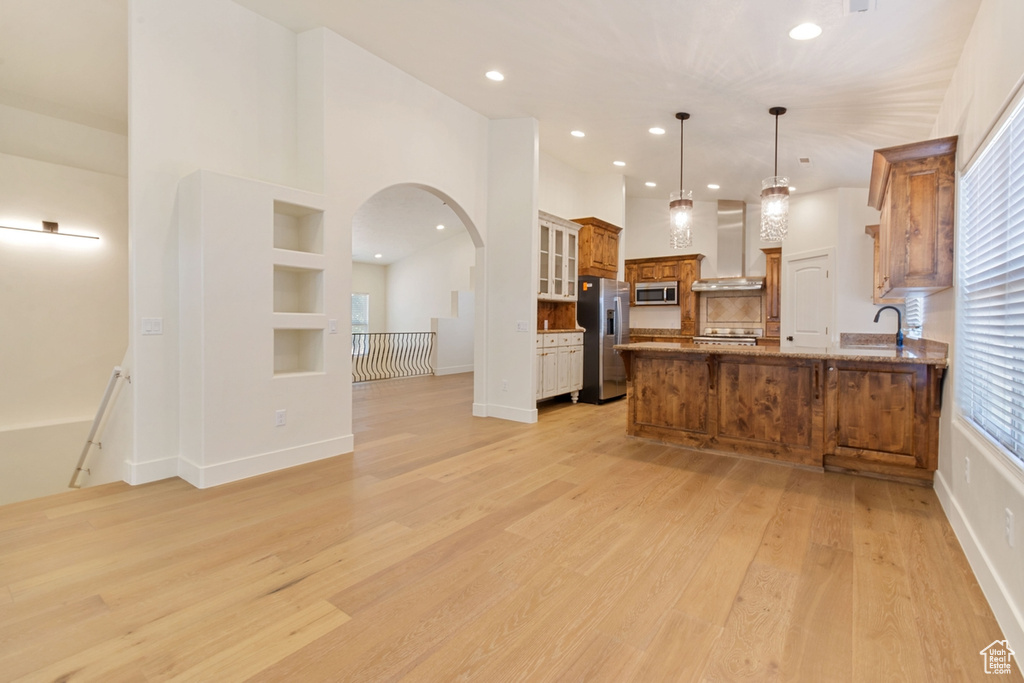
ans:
(457, 548)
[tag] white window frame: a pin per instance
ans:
(989, 351)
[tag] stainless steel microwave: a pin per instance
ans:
(657, 294)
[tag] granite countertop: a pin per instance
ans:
(921, 351)
(657, 332)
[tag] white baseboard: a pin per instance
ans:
(222, 473)
(1009, 617)
(136, 473)
(528, 416)
(454, 369)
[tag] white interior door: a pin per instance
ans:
(807, 298)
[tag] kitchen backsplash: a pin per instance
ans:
(730, 309)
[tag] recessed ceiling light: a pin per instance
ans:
(495, 75)
(712, 186)
(650, 184)
(440, 227)
(792, 189)
(656, 131)
(805, 31)
(578, 134)
(378, 256)
(619, 163)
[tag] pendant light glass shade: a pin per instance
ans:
(680, 204)
(775, 195)
(680, 212)
(774, 208)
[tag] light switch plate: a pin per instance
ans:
(332, 326)
(152, 326)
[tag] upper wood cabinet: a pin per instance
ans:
(772, 290)
(599, 248)
(682, 269)
(559, 253)
(913, 186)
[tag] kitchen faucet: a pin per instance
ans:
(899, 323)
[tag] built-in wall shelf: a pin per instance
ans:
(298, 290)
(298, 228)
(298, 304)
(298, 351)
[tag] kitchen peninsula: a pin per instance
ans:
(863, 406)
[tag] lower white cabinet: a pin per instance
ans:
(559, 364)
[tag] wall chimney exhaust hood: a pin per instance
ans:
(732, 249)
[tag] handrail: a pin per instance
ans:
(387, 355)
(115, 374)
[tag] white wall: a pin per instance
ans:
(373, 280)
(215, 86)
(987, 77)
(65, 306)
(453, 341)
(65, 143)
(420, 286)
(855, 255)
(569, 193)
(211, 85)
(511, 255)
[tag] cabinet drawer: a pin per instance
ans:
(550, 339)
(540, 341)
(575, 339)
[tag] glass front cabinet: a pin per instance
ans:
(559, 253)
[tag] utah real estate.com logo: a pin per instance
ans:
(998, 657)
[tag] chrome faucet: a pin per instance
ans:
(899, 323)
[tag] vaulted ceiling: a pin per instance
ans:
(609, 68)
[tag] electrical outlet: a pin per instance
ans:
(280, 417)
(504, 385)
(1009, 527)
(967, 470)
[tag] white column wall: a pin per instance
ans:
(511, 256)
(211, 85)
(988, 76)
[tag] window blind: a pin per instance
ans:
(360, 312)
(990, 306)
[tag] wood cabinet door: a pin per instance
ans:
(879, 413)
(549, 373)
(672, 394)
(631, 278)
(668, 270)
(687, 297)
(920, 223)
(563, 362)
(647, 272)
(773, 404)
(575, 368)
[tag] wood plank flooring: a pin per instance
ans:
(453, 548)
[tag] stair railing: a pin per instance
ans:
(98, 423)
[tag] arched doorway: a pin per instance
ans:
(414, 265)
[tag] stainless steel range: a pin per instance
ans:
(729, 336)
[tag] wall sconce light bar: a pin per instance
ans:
(50, 228)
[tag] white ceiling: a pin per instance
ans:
(608, 67)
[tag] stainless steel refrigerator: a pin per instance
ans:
(603, 311)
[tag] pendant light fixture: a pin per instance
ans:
(775, 195)
(680, 205)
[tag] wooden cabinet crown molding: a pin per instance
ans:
(599, 223)
(884, 159)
